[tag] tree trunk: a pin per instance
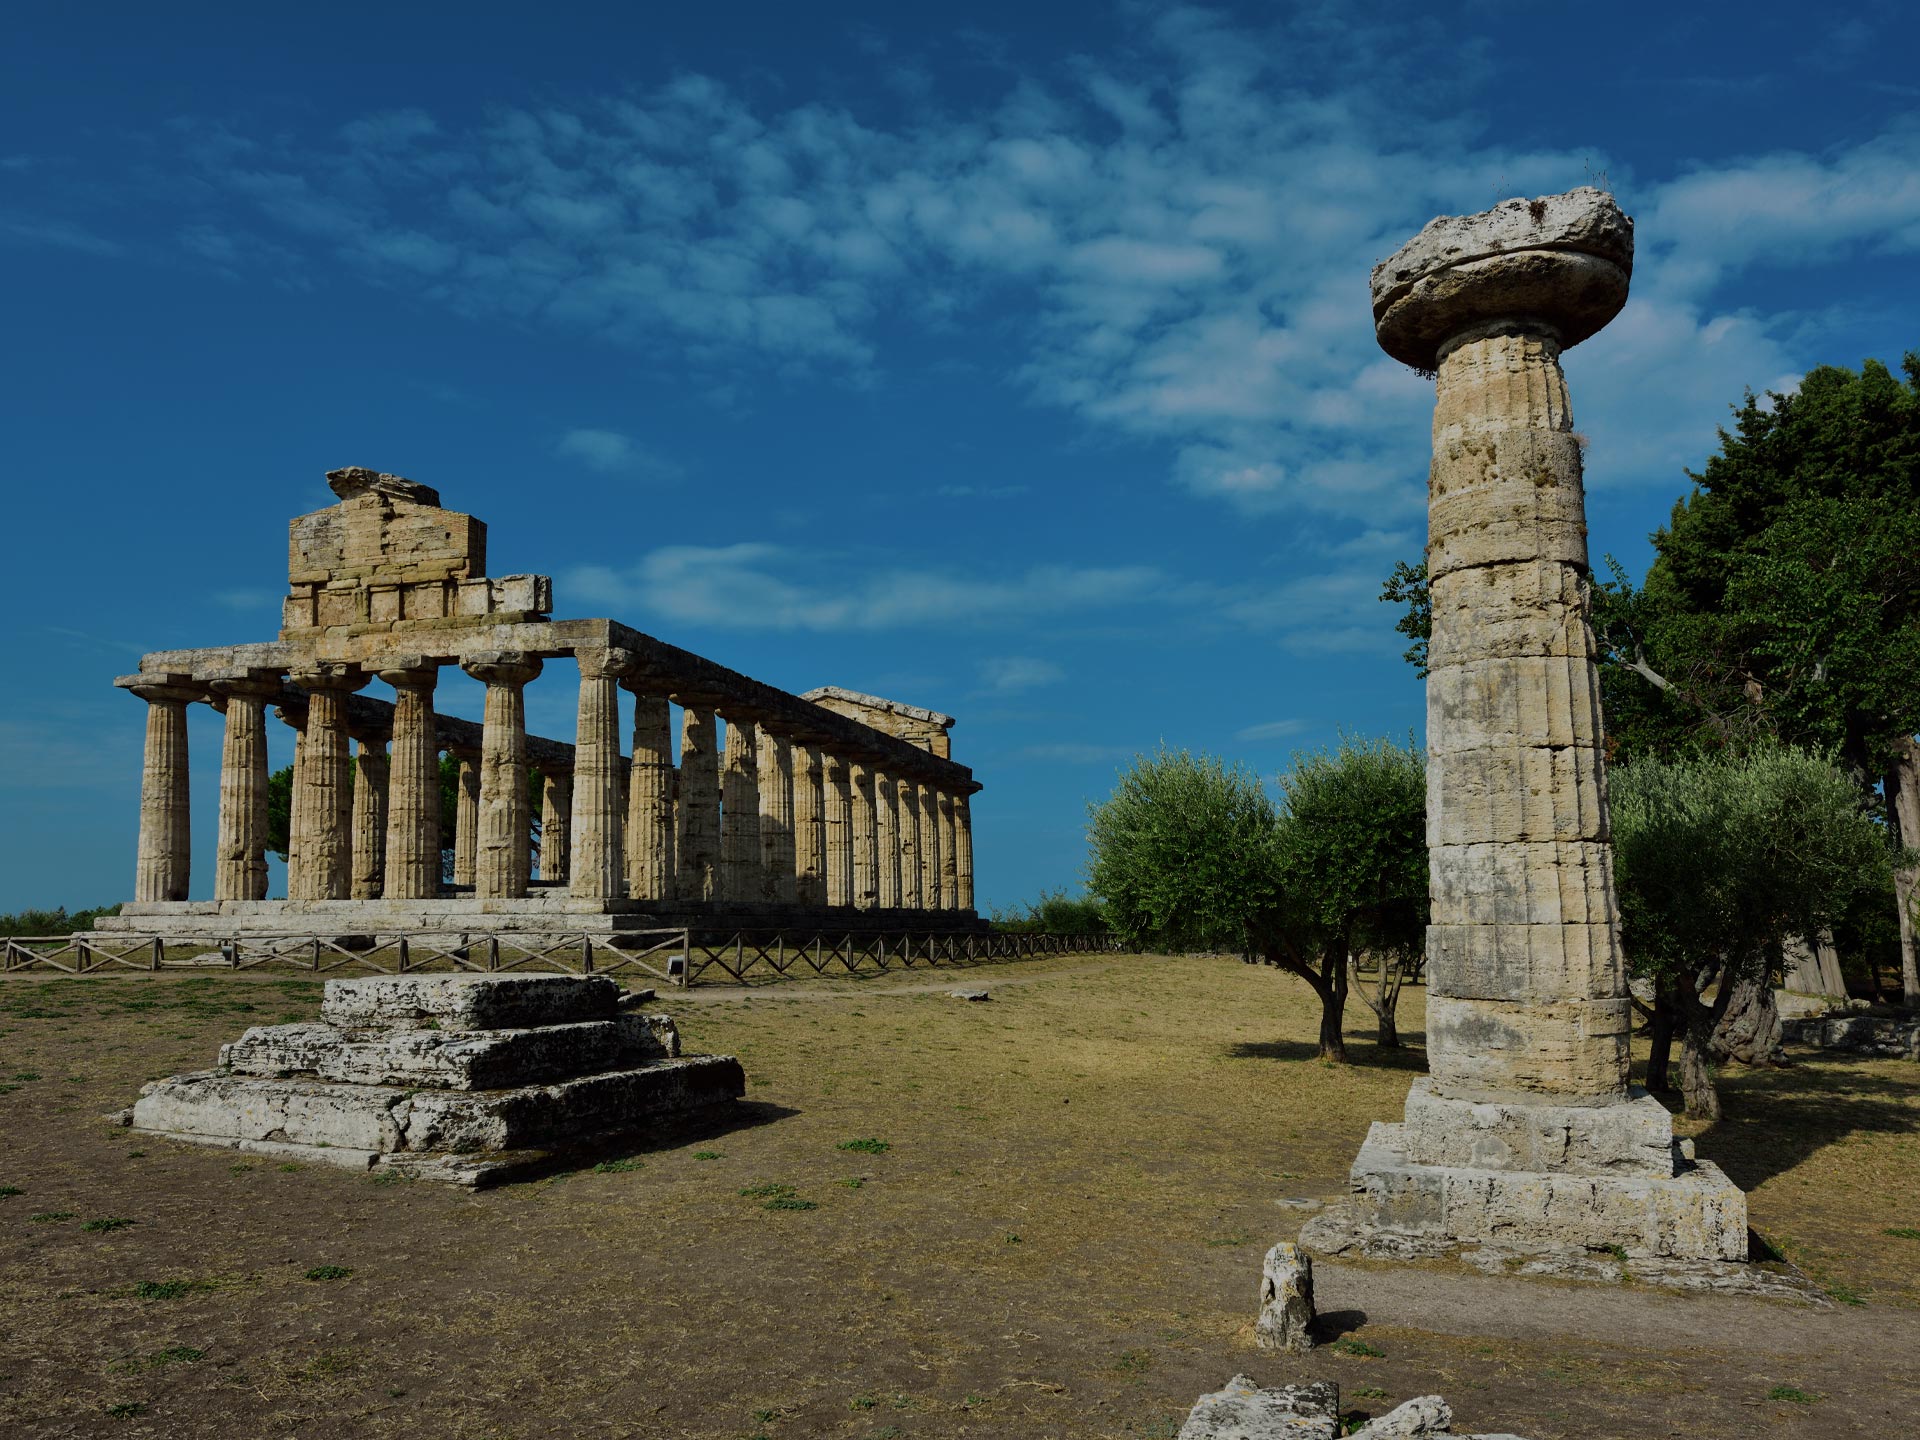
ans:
(1903, 809)
(1333, 1005)
(1697, 1089)
(1389, 1031)
(1749, 1026)
(1660, 1040)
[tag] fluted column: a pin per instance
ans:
(929, 823)
(861, 835)
(413, 787)
(556, 823)
(321, 864)
(949, 859)
(839, 831)
(776, 819)
(963, 850)
(240, 852)
(370, 786)
(907, 807)
(740, 813)
(598, 863)
(886, 842)
(466, 812)
(697, 815)
(809, 827)
(502, 860)
(163, 865)
(650, 799)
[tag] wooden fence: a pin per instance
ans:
(677, 957)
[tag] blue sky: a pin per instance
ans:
(1021, 368)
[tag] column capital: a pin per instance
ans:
(502, 667)
(247, 684)
(605, 662)
(169, 688)
(329, 675)
(409, 672)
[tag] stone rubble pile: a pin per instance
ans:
(1242, 1410)
(1864, 1034)
(471, 1079)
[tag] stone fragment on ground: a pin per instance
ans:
(1424, 1415)
(1286, 1300)
(1242, 1410)
(974, 995)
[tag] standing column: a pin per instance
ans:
(240, 854)
(413, 786)
(776, 819)
(556, 823)
(949, 859)
(502, 859)
(963, 851)
(321, 865)
(650, 799)
(861, 835)
(809, 827)
(908, 810)
(839, 831)
(294, 717)
(740, 814)
(697, 838)
(928, 820)
(886, 842)
(466, 812)
(598, 863)
(163, 864)
(370, 785)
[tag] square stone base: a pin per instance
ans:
(1694, 1214)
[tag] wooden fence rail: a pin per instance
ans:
(678, 957)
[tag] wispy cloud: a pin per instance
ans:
(1008, 674)
(611, 453)
(1270, 730)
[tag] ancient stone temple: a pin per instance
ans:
(830, 808)
(1526, 1135)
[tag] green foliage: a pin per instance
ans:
(52, 922)
(329, 1272)
(1407, 587)
(1349, 1346)
(1054, 913)
(624, 1166)
(101, 1226)
(865, 1147)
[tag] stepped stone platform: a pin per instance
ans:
(470, 1079)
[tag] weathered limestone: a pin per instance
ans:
(320, 864)
(886, 841)
(740, 813)
(597, 866)
(862, 835)
(777, 852)
(1526, 1135)
(650, 865)
(927, 821)
(240, 852)
(1286, 1300)
(949, 845)
(963, 852)
(809, 826)
(502, 862)
(413, 785)
(698, 835)
(1241, 1410)
(467, 1079)
(556, 825)
(839, 832)
(370, 785)
(907, 808)
(466, 813)
(164, 866)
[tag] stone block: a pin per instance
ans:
(1422, 1416)
(1516, 962)
(1544, 882)
(1534, 607)
(1516, 793)
(1495, 1050)
(1634, 1136)
(468, 1002)
(1242, 1410)
(1286, 1300)
(1526, 700)
(208, 1104)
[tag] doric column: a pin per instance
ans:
(839, 830)
(240, 853)
(650, 798)
(321, 864)
(809, 827)
(886, 842)
(413, 786)
(928, 822)
(740, 814)
(370, 786)
(598, 864)
(466, 812)
(949, 858)
(776, 819)
(697, 815)
(907, 808)
(861, 835)
(502, 860)
(963, 851)
(164, 862)
(1526, 987)
(556, 823)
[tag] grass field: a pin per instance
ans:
(1041, 1216)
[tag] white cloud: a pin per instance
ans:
(1010, 673)
(1270, 730)
(611, 453)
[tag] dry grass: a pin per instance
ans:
(1061, 1236)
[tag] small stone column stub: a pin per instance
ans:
(556, 823)
(949, 853)
(839, 831)
(596, 868)
(1526, 988)
(907, 808)
(778, 876)
(240, 852)
(864, 836)
(927, 822)
(809, 827)
(963, 851)
(321, 863)
(886, 842)
(502, 858)
(740, 812)
(697, 838)
(163, 863)
(413, 785)
(650, 819)
(371, 783)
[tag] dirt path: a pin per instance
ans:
(883, 986)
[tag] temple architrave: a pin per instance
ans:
(829, 808)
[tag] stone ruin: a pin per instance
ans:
(470, 1079)
(832, 808)
(1243, 1410)
(1526, 1138)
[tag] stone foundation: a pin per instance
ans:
(468, 1079)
